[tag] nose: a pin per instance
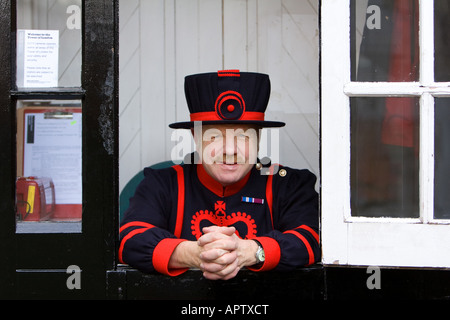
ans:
(229, 145)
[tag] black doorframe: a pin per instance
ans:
(35, 265)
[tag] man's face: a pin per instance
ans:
(228, 151)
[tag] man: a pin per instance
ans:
(222, 212)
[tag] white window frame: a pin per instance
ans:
(347, 240)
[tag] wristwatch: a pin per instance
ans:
(260, 256)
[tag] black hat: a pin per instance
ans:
(227, 97)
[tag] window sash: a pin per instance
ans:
(363, 240)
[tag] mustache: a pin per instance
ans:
(228, 159)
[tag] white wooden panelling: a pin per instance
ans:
(235, 36)
(181, 37)
(209, 52)
(129, 91)
(132, 130)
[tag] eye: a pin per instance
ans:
(215, 137)
(242, 137)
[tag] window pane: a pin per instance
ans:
(385, 40)
(49, 181)
(384, 157)
(441, 40)
(442, 159)
(48, 43)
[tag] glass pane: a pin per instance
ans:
(442, 159)
(384, 40)
(385, 157)
(441, 40)
(48, 43)
(49, 181)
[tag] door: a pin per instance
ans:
(58, 148)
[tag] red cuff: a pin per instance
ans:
(161, 256)
(271, 251)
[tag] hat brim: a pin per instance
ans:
(263, 124)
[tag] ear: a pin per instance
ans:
(197, 137)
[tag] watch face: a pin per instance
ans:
(261, 255)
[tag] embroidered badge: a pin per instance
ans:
(219, 207)
(240, 220)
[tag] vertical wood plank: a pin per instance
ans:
(153, 72)
(168, 73)
(252, 35)
(235, 34)
(210, 36)
(129, 86)
(187, 50)
(270, 46)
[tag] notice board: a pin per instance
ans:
(49, 145)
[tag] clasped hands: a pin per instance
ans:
(219, 253)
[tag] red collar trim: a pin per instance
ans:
(215, 186)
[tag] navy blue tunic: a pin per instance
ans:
(174, 204)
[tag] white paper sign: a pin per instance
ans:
(53, 149)
(37, 58)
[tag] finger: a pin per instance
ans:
(219, 269)
(232, 274)
(219, 244)
(212, 254)
(212, 237)
(225, 230)
(226, 273)
(218, 256)
(224, 244)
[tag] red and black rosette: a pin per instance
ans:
(230, 105)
